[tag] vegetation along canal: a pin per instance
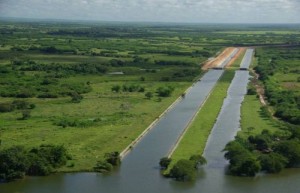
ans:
(139, 171)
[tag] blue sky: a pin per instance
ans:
(196, 11)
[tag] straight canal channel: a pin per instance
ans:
(140, 172)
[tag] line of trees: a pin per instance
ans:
(286, 103)
(17, 161)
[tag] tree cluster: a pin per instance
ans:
(264, 152)
(111, 160)
(16, 162)
(184, 169)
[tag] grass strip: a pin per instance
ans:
(252, 116)
(196, 136)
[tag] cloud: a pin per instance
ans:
(220, 11)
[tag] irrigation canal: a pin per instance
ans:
(140, 172)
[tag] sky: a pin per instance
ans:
(190, 11)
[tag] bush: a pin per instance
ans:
(76, 98)
(198, 160)
(103, 166)
(273, 162)
(164, 91)
(6, 107)
(165, 162)
(113, 158)
(184, 170)
(149, 95)
(25, 114)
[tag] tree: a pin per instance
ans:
(13, 163)
(116, 88)
(164, 91)
(242, 162)
(290, 150)
(149, 95)
(76, 98)
(103, 166)
(165, 162)
(113, 158)
(244, 165)
(25, 114)
(184, 170)
(272, 162)
(198, 160)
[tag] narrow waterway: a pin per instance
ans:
(139, 172)
(247, 59)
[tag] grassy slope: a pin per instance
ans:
(196, 136)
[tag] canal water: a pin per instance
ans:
(140, 173)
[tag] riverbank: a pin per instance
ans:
(194, 140)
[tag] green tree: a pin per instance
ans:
(13, 163)
(184, 170)
(113, 158)
(149, 95)
(198, 160)
(272, 162)
(290, 150)
(116, 88)
(165, 162)
(26, 114)
(76, 97)
(103, 166)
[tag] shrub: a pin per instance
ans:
(103, 166)
(164, 91)
(113, 158)
(184, 170)
(6, 107)
(165, 162)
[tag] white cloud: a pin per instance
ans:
(157, 10)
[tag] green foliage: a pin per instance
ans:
(76, 98)
(13, 163)
(16, 104)
(291, 150)
(164, 91)
(16, 161)
(25, 114)
(198, 160)
(242, 162)
(103, 166)
(148, 95)
(110, 161)
(165, 162)
(272, 63)
(272, 162)
(6, 107)
(113, 158)
(184, 170)
(116, 88)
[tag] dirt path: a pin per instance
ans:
(241, 50)
(259, 89)
(221, 57)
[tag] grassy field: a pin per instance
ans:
(253, 116)
(196, 136)
(107, 126)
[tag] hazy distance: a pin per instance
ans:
(194, 11)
